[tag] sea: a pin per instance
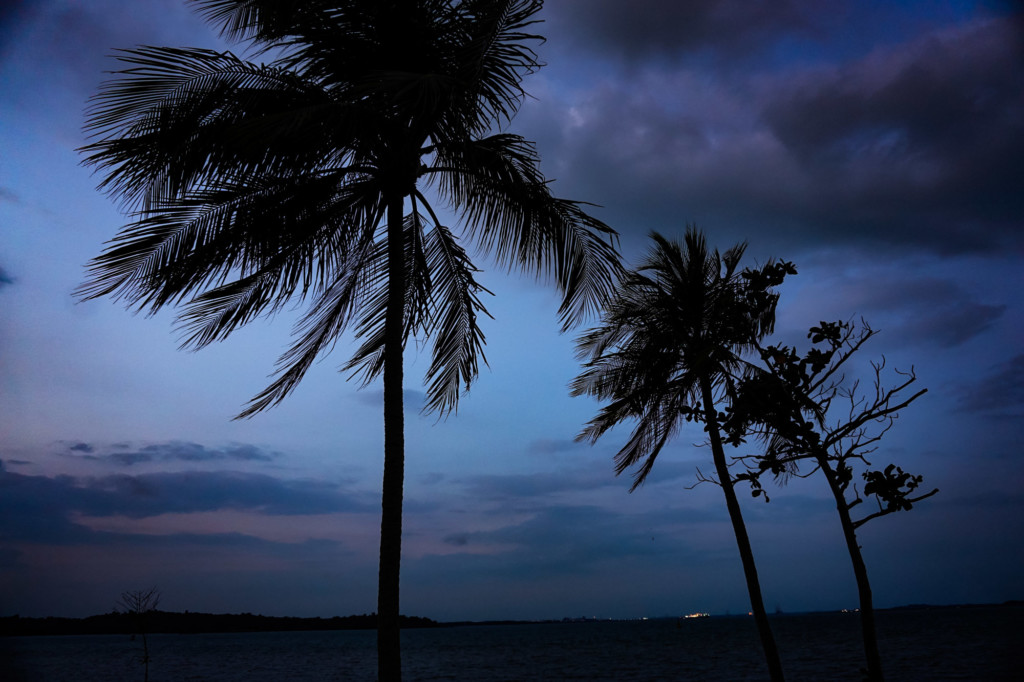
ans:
(963, 643)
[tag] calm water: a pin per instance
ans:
(947, 644)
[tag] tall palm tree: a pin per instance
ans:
(670, 340)
(317, 178)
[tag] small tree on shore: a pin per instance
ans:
(139, 604)
(791, 407)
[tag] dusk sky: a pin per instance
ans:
(878, 145)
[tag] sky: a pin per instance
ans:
(875, 144)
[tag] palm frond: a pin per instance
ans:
(178, 120)
(510, 212)
(325, 321)
(493, 58)
(368, 360)
(458, 339)
(181, 248)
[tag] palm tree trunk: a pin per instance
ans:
(771, 651)
(389, 657)
(860, 571)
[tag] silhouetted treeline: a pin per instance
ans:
(187, 622)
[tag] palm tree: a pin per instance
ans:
(670, 340)
(317, 179)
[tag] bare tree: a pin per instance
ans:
(791, 407)
(139, 604)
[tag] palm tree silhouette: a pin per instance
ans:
(670, 340)
(304, 180)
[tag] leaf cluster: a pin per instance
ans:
(787, 405)
(892, 486)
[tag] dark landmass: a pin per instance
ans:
(926, 607)
(589, 619)
(188, 623)
(195, 623)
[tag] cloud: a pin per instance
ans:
(646, 29)
(554, 541)
(9, 195)
(958, 323)
(908, 308)
(13, 14)
(413, 400)
(1002, 390)
(41, 508)
(432, 478)
(73, 40)
(562, 540)
(526, 486)
(593, 475)
(917, 143)
(914, 145)
(552, 446)
(925, 309)
(9, 558)
(175, 451)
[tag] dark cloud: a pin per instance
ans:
(551, 446)
(923, 309)
(413, 400)
(41, 508)
(10, 558)
(643, 29)
(13, 15)
(1001, 391)
(915, 145)
(11, 12)
(667, 470)
(526, 486)
(1007, 504)
(175, 451)
(458, 540)
(920, 143)
(193, 452)
(923, 99)
(75, 39)
(558, 540)
(36, 509)
(571, 537)
(541, 489)
(958, 323)
(571, 541)
(651, 577)
(128, 458)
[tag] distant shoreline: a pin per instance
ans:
(166, 622)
